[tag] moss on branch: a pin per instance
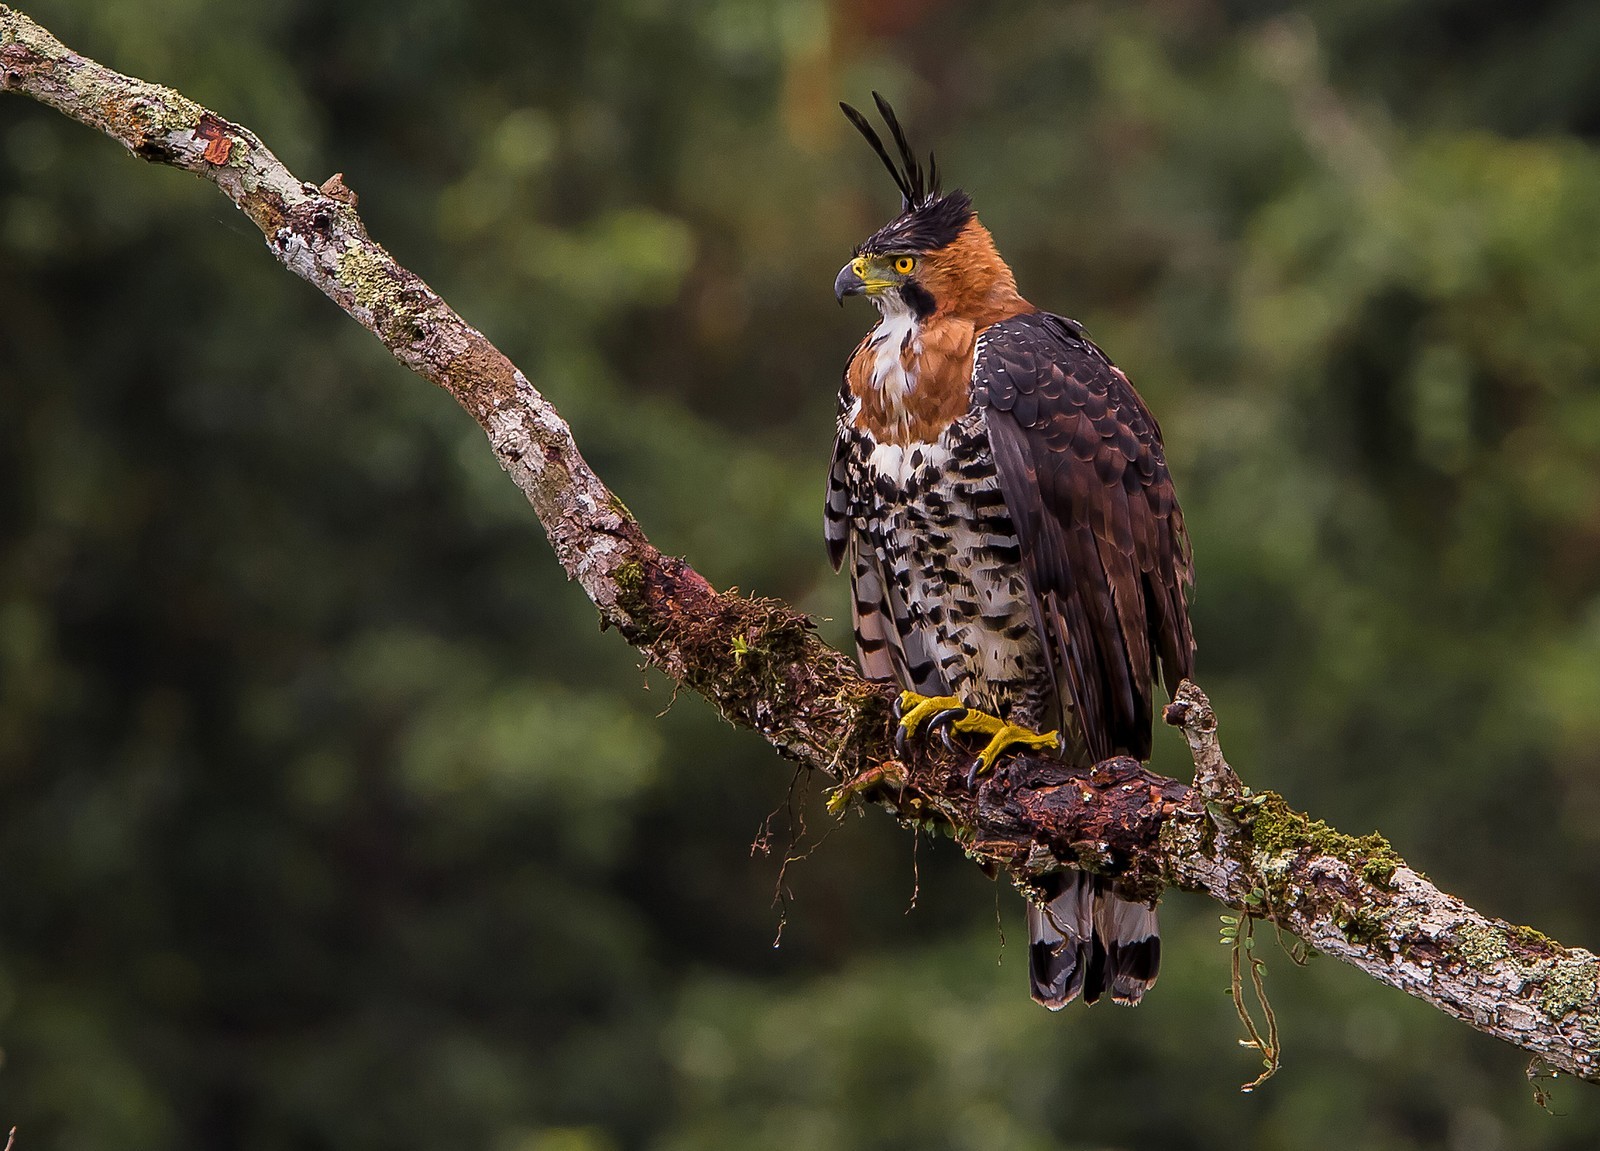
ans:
(1276, 828)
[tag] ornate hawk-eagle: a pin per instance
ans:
(1017, 557)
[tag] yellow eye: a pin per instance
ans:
(904, 264)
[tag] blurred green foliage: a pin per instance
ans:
(327, 819)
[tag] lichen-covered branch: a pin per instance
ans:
(760, 664)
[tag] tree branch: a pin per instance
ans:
(762, 667)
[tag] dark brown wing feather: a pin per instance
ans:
(1083, 474)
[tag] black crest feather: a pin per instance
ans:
(928, 219)
(917, 186)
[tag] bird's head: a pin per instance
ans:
(934, 257)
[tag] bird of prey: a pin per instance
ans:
(1017, 557)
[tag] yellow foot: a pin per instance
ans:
(1003, 737)
(915, 710)
(935, 711)
(889, 773)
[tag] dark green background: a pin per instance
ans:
(329, 820)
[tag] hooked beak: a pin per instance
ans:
(849, 282)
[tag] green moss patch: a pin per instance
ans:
(1275, 827)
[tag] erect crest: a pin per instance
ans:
(916, 186)
(928, 219)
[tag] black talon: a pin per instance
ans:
(940, 723)
(899, 708)
(972, 774)
(944, 719)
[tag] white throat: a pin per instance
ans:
(897, 332)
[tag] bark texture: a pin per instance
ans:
(760, 664)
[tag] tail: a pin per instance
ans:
(1086, 940)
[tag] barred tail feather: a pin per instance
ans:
(1084, 940)
(1061, 939)
(1133, 947)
